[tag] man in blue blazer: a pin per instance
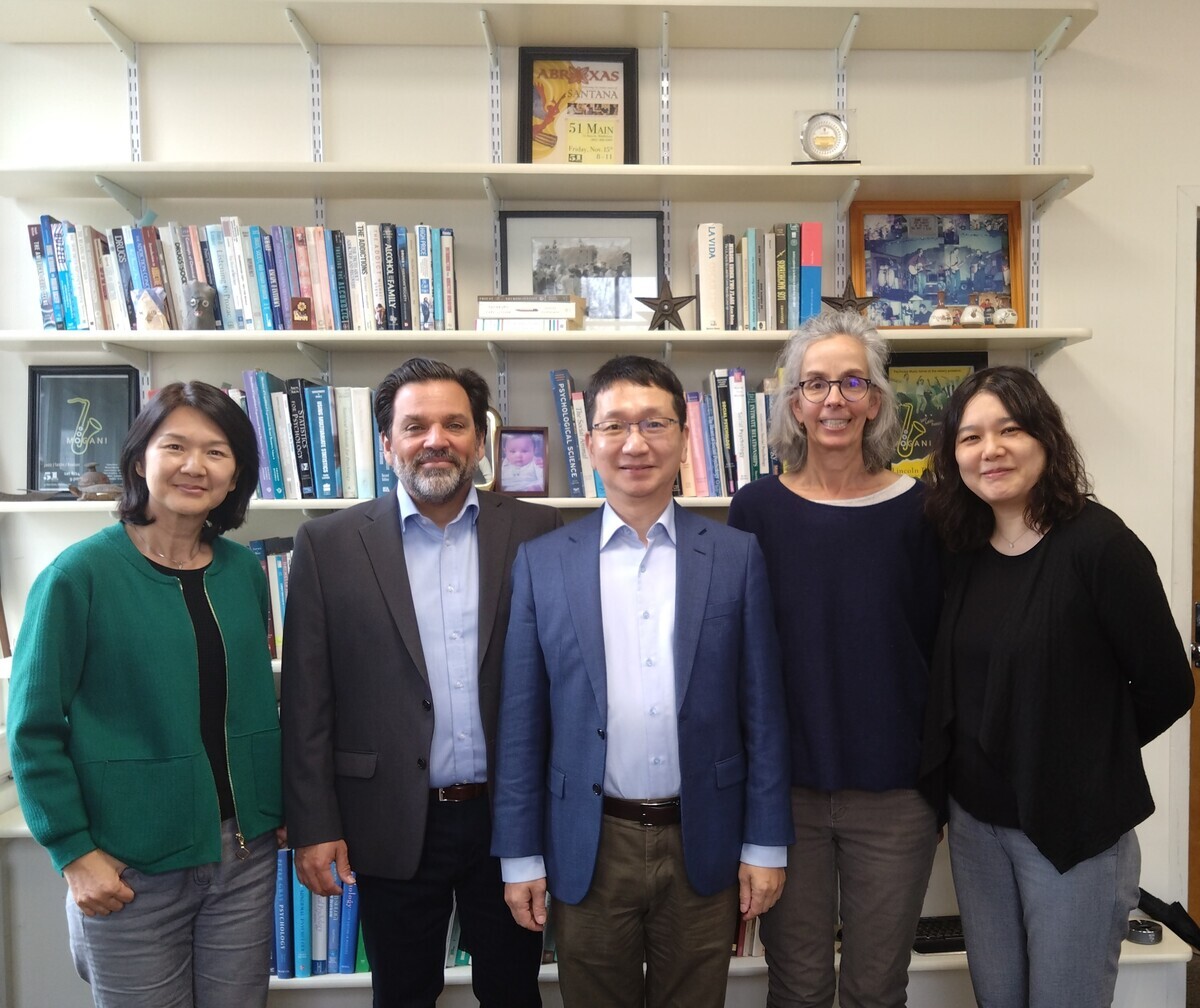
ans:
(641, 771)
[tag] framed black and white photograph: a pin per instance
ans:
(522, 470)
(78, 415)
(916, 257)
(609, 258)
(577, 106)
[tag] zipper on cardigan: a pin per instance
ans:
(242, 850)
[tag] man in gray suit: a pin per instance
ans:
(394, 633)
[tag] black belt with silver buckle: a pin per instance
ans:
(661, 812)
(458, 792)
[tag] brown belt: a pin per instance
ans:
(662, 812)
(458, 792)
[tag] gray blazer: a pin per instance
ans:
(357, 712)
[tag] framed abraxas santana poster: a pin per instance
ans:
(577, 106)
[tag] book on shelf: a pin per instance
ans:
(322, 428)
(593, 486)
(348, 948)
(287, 447)
(298, 419)
(449, 280)
(562, 385)
(439, 292)
(301, 927)
(283, 955)
(391, 289)
(570, 307)
(347, 445)
(423, 316)
(711, 294)
(811, 237)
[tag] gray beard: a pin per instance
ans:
(433, 486)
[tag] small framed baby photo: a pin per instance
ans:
(522, 463)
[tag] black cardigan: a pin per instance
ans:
(1087, 667)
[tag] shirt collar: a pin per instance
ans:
(408, 509)
(611, 523)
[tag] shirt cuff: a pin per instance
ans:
(760, 857)
(523, 869)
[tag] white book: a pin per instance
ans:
(319, 909)
(423, 302)
(314, 241)
(287, 446)
(560, 306)
(767, 277)
(449, 287)
(375, 270)
(760, 417)
(354, 283)
(174, 269)
(239, 288)
(344, 408)
(364, 441)
(118, 314)
(77, 274)
(91, 248)
(588, 471)
(738, 423)
(364, 275)
(254, 301)
(710, 275)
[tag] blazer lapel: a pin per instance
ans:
(383, 543)
(494, 528)
(693, 573)
(580, 560)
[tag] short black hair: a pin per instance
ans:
(643, 371)
(425, 369)
(963, 520)
(235, 425)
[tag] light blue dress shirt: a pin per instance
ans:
(637, 599)
(443, 575)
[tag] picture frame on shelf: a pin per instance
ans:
(485, 469)
(577, 105)
(923, 382)
(78, 415)
(906, 254)
(522, 470)
(610, 258)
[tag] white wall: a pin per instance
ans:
(1117, 255)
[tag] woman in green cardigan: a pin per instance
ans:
(143, 724)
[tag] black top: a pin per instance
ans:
(210, 654)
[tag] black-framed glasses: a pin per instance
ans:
(650, 427)
(852, 388)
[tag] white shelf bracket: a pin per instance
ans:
(847, 197)
(123, 42)
(1042, 202)
(1047, 48)
(489, 190)
(307, 42)
(133, 204)
(1038, 356)
(847, 41)
(139, 359)
(500, 359)
(495, 122)
(320, 358)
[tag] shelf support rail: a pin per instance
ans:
(664, 130)
(323, 360)
(316, 121)
(500, 359)
(841, 237)
(1036, 111)
(127, 47)
(495, 124)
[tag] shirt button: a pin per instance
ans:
(454, 635)
(458, 684)
(657, 760)
(450, 588)
(462, 735)
(649, 663)
(654, 710)
(645, 614)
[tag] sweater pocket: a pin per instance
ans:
(256, 756)
(142, 811)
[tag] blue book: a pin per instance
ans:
(219, 276)
(348, 949)
(340, 281)
(262, 288)
(268, 383)
(404, 291)
(293, 270)
(562, 386)
(273, 292)
(139, 265)
(715, 474)
(335, 308)
(47, 232)
(284, 283)
(333, 927)
(385, 476)
(255, 411)
(43, 274)
(810, 292)
(298, 414)
(301, 927)
(439, 292)
(58, 245)
(793, 275)
(753, 241)
(73, 292)
(282, 949)
(319, 407)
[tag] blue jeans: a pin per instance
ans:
(1037, 938)
(193, 938)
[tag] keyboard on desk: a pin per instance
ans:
(939, 934)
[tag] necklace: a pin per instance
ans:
(1012, 543)
(179, 564)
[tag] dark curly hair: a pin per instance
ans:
(234, 424)
(425, 369)
(962, 519)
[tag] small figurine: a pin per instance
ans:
(972, 314)
(148, 310)
(666, 307)
(941, 316)
(199, 300)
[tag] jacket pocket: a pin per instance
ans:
(556, 781)
(354, 764)
(144, 811)
(731, 771)
(255, 757)
(720, 609)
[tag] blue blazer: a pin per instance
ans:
(733, 746)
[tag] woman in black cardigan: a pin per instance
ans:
(1057, 659)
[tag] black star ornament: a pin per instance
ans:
(849, 301)
(666, 307)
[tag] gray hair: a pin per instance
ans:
(787, 436)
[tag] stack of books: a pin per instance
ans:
(530, 312)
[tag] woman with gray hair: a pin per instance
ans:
(853, 567)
